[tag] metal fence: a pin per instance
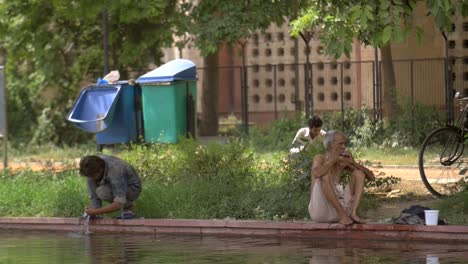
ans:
(3, 115)
(262, 93)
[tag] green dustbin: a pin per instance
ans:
(169, 96)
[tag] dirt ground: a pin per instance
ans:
(409, 191)
(38, 166)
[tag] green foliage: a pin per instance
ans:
(359, 125)
(376, 23)
(214, 22)
(29, 193)
(382, 183)
(185, 180)
(154, 161)
(408, 129)
(299, 166)
(412, 124)
(454, 209)
(278, 135)
(214, 175)
(50, 56)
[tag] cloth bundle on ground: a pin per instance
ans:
(414, 216)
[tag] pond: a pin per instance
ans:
(59, 247)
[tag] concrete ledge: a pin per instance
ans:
(297, 229)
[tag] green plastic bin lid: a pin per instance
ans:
(175, 70)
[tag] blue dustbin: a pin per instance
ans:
(109, 111)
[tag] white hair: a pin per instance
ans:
(330, 137)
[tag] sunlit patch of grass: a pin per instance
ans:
(48, 153)
(391, 156)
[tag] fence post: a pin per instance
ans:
(3, 115)
(274, 91)
(342, 95)
(374, 86)
(297, 103)
(306, 94)
(448, 86)
(308, 89)
(244, 96)
(412, 93)
(378, 84)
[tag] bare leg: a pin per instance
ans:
(356, 186)
(330, 195)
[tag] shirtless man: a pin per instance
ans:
(329, 201)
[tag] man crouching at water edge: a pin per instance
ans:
(329, 201)
(113, 180)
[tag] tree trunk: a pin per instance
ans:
(388, 84)
(209, 97)
(2, 56)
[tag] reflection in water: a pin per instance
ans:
(41, 247)
(430, 259)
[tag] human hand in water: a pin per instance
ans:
(91, 211)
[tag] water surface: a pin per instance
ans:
(50, 247)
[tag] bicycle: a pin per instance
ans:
(442, 163)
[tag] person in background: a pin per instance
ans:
(113, 180)
(307, 135)
(331, 199)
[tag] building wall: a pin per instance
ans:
(275, 72)
(458, 52)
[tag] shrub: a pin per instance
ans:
(277, 136)
(412, 124)
(359, 125)
(454, 209)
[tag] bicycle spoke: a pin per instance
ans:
(442, 163)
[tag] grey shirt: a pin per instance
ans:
(120, 176)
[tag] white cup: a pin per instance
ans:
(432, 217)
(432, 259)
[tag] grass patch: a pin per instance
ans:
(49, 153)
(454, 209)
(386, 156)
(31, 193)
(186, 180)
(392, 156)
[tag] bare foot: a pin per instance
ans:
(357, 220)
(345, 220)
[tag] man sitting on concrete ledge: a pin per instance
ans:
(330, 200)
(113, 180)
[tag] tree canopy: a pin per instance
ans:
(214, 22)
(376, 23)
(52, 46)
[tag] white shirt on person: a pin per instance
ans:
(303, 135)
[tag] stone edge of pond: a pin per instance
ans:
(287, 229)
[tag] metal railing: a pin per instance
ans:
(272, 89)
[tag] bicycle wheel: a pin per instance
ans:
(442, 164)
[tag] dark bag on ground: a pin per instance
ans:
(414, 216)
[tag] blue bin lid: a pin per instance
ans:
(175, 70)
